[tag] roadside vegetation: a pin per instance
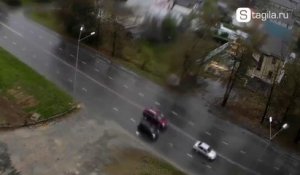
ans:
(25, 93)
(138, 162)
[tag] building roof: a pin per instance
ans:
(277, 41)
(286, 3)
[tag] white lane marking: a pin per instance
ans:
(60, 49)
(12, 30)
(157, 103)
(276, 168)
(138, 106)
(191, 156)
(174, 113)
(191, 123)
(171, 144)
(5, 37)
(97, 70)
(125, 86)
(70, 80)
(110, 77)
(225, 143)
(40, 37)
(116, 109)
(137, 133)
(14, 43)
(84, 89)
(208, 166)
(208, 133)
(259, 160)
(141, 94)
(83, 62)
(242, 152)
(71, 55)
(57, 72)
(132, 119)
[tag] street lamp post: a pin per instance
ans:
(283, 127)
(77, 55)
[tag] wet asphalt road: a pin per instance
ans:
(111, 90)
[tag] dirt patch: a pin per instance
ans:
(133, 161)
(23, 99)
(11, 114)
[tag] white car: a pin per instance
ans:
(205, 149)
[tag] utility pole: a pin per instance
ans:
(235, 51)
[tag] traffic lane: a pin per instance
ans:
(123, 113)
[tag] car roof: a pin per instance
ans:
(204, 145)
(147, 124)
(153, 111)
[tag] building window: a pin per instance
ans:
(273, 60)
(270, 74)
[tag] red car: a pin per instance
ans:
(155, 117)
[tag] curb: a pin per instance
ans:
(52, 118)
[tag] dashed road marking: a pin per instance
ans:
(84, 89)
(40, 37)
(97, 70)
(71, 55)
(57, 72)
(23, 49)
(137, 133)
(5, 37)
(191, 123)
(157, 103)
(174, 113)
(208, 166)
(33, 56)
(31, 32)
(208, 133)
(141, 94)
(83, 62)
(116, 109)
(70, 80)
(189, 155)
(225, 143)
(60, 49)
(14, 43)
(125, 86)
(171, 144)
(259, 160)
(242, 152)
(276, 168)
(110, 77)
(50, 43)
(132, 119)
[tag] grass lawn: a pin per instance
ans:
(138, 162)
(31, 91)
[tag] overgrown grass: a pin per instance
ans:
(15, 75)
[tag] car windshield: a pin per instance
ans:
(209, 149)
